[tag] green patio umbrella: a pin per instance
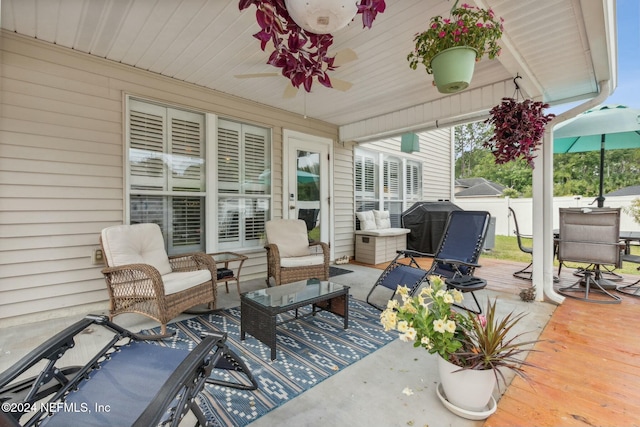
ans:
(606, 127)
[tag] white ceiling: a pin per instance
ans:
(561, 48)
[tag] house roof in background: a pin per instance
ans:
(478, 187)
(632, 190)
(562, 49)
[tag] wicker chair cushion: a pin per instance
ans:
(290, 235)
(302, 261)
(367, 220)
(135, 244)
(182, 280)
(382, 218)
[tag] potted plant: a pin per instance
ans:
(468, 345)
(518, 129)
(450, 46)
(302, 55)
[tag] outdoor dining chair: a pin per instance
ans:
(524, 273)
(590, 236)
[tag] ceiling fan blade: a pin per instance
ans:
(256, 75)
(290, 91)
(341, 85)
(344, 56)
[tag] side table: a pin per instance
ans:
(227, 274)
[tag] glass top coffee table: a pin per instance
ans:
(259, 309)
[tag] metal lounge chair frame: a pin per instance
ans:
(129, 382)
(459, 251)
(397, 274)
(455, 260)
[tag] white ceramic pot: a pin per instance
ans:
(468, 389)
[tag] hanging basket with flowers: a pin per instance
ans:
(474, 29)
(518, 128)
(301, 54)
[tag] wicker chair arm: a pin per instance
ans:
(131, 274)
(273, 253)
(186, 262)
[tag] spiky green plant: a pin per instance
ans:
(489, 343)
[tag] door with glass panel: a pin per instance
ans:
(307, 185)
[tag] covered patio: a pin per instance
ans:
(71, 68)
(588, 369)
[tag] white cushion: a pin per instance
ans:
(302, 261)
(382, 219)
(182, 280)
(384, 232)
(367, 220)
(135, 244)
(290, 235)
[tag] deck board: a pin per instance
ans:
(590, 359)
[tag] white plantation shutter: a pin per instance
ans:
(166, 160)
(167, 175)
(391, 179)
(229, 156)
(365, 167)
(188, 222)
(187, 151)
(147, 146)
(413, 179)
(244, 163)
(401, 181)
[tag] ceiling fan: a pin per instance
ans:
(342, 57)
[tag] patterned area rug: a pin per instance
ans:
(309, 351)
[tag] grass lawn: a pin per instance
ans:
(506, 247)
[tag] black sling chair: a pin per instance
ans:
(130, 382)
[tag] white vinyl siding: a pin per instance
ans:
(62, 149)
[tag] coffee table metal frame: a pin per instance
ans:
(260, 320)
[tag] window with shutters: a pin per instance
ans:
(413, 181)
(167, 177)
(244, 183)
(393, 187)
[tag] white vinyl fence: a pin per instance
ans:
(499, 209)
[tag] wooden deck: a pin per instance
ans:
(589, 356)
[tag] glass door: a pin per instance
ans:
(308, 184)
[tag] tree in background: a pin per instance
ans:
(473, 161)
(573, 173)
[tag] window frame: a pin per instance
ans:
(210, 239)
(386, 195)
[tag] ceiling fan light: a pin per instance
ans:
(322, 16)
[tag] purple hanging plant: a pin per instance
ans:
(518, 129)
(300, 54)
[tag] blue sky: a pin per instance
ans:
(628, 90)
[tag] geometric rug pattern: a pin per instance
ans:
(309, 350)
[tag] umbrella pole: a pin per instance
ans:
(600, 198)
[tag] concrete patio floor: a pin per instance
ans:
(368, 392)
